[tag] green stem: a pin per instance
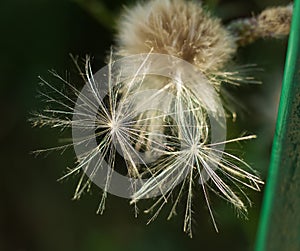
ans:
(279, 227)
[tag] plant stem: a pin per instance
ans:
(279, 227)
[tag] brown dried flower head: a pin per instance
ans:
(178, 28)
(275, 22)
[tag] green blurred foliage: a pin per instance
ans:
(36, 211)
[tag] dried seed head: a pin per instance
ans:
(178, 28)
(183, 29)
(168, 146)
(275, 22)
(271, 23)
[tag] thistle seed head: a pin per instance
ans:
(178, 28)
(275, 22)
(163, 126)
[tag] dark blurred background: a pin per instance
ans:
(36, 211)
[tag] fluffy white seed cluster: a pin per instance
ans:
(178, 141)
(185, 30)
